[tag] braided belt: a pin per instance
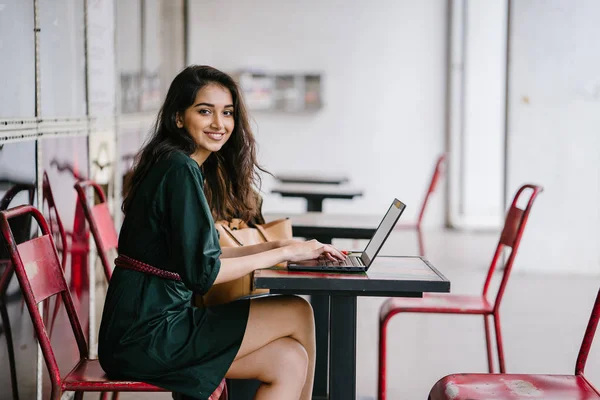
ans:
(135, 265)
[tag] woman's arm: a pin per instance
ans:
(233, 252)
(234, 268)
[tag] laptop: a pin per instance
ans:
(358, 261)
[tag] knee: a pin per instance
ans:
(292, 360)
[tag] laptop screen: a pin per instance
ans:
(383, 231)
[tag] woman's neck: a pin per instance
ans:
(200, 156)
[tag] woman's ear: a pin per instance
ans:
(179, 120)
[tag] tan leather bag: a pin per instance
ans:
(237, 233)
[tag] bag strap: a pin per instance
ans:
(230, 233)
(260, 229)
(263, 233)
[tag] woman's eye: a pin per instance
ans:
(228, 113)
(204, 111)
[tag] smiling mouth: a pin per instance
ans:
(215, 135)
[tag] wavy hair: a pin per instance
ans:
(231, 174)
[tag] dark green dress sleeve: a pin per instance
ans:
(193, 238)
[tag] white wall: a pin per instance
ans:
(384, 88)
(129, 35)
(554, 131)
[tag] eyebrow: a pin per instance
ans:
(211, 105)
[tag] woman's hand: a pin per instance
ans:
(311, 250)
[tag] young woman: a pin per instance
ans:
(201, 157)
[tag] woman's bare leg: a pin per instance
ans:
(281, 367)
(276, 317)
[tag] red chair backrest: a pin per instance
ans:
(54, 221)
(40, 275)
(435, 178)
(100, 221)
(514, 226)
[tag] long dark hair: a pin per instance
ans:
(231, 174)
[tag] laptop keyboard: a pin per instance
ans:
(348, 262)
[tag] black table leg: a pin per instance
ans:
(320, 304)
(342, 369)
(314, 204)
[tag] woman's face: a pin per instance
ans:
(209, 120)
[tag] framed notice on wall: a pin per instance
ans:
(281, 91)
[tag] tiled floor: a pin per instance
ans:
(543, 322)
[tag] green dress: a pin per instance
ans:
(150, 331)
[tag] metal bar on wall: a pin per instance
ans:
(25, 128)
(91, 260)
(39, 158)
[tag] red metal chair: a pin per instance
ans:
(438, 173)
(101, 223)
(40, 276)
(77, 246)
(518, 386)
(441, 303)
(24, 232)
(60, 237)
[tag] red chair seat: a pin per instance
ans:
(442, 303)
(89, 375)
(512, 387)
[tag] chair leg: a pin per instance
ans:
(488, 342)
(4, 281)
(499, 342)
(381, 386)
(115, 396)
(10, 348)
(78, 395)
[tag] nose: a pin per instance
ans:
(216, 122)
